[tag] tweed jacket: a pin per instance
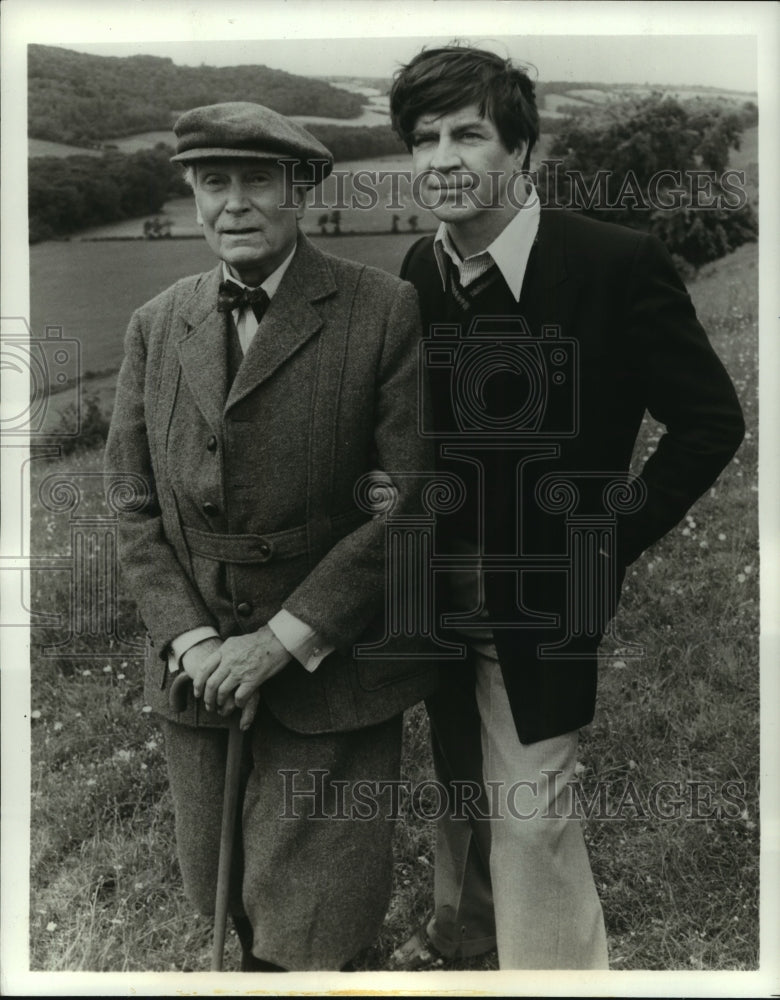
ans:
(250, 501)
(614, 335)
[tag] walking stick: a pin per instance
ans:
(178, 702)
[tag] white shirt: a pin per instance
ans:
(298, 638)
(509, 251)
(245, 321)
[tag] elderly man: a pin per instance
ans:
(251, 401)
(549, 336)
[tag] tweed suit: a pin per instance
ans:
(251, 507)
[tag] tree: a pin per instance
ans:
(69, 193)
(657, 165)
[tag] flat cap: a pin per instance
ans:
(240, 130)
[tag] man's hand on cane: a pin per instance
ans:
(229, 673)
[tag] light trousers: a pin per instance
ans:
(519, 878)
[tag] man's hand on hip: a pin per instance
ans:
(235, 670)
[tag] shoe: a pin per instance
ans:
(417, 954)
(250, 963)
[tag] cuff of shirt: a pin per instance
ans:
(299, 639)
(187, 640)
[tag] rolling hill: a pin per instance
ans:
(82, 99)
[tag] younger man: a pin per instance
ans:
(549, 336)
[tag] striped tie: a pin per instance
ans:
(465, 296)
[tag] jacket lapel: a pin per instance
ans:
(203, 350)
(543, 300)
(291, 319)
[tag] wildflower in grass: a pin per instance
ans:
(36, 714)
(51, 926)
(741, 577)
(686, 531)
(86, 673)
(57, 727)
(107, 668)
(120, 677)
(721, 537)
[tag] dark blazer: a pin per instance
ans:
(615, 295)
(327, 392)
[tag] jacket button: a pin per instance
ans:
(244, 609)
(210, 509)
(264, 549)
(211, 444)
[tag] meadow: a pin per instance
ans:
(680, 892)
(128, 273)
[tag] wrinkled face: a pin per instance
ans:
(249, 214)
(466, 169)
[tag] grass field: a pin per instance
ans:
(678, 893)
(63, 277)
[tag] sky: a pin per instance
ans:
(708, 60)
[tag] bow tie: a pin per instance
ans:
(233, 296)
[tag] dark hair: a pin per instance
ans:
(438, 81)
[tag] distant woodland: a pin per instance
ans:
(67, 194)
(82, 99)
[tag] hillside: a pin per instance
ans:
(80, 99)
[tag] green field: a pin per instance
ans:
(64, 277)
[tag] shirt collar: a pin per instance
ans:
(271, 283)
(510, 249)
